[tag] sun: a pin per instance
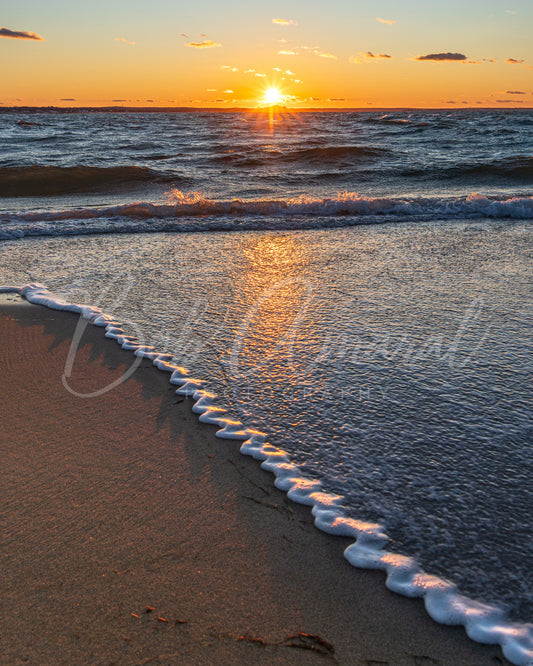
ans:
(273, 96)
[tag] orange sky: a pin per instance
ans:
(342, 54)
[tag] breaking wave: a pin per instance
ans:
(193, 212)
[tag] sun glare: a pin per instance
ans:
(273, 96)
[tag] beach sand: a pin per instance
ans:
(132, 535)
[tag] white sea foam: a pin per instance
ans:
(483, 623)
(194, 212)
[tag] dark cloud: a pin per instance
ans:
(515, 92)
(440, 57)
(20, 34)
(67, 99)
(509, 101)
(513, 61)
(368, 56)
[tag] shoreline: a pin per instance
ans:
(125, 502)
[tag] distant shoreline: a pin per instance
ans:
(198, 109)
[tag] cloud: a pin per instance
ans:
(250, 71)
(489, 59)
(229, 92)
(316, 50)
(337, 99)
(288, 71)
(261, 76)
(513, 61)
(443, 57)
(368, 55)
(67, 99)
(124, 40)
(286, 52)
(206, 44)
(515, 92)
(510, 11)
(510, 101)
(285, 22)
(229, 68)
(276, 69)
(182, 34)
(211, 89)
(20, 34)
(387, 22)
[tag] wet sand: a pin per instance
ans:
(132, 535)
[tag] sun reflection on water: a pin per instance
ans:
(276, 304)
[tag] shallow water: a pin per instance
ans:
(391, 362)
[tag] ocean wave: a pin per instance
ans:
(37, 180)
(519, 167)
(313, 155)
(192, 212)
(334, 153)
(369, 549)
(515, 168)
(408, 121)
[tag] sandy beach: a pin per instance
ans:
(132, 535)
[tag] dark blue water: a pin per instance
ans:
(58, 161)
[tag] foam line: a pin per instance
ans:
(483, 623)
(9, 290)
(195, 212)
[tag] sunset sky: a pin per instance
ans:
(342, 53)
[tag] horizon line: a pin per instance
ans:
(261, 109)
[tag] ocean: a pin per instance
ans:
(357, 285)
